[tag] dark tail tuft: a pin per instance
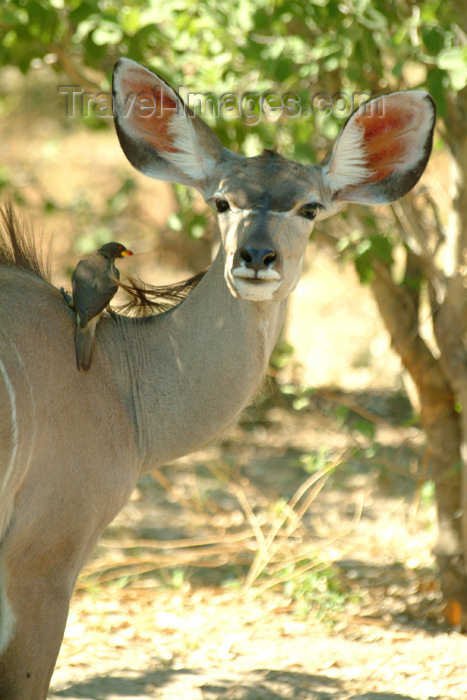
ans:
(17, 246)
(149, 300)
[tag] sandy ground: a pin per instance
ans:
(198, 638)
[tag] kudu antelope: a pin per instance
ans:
(73, 444)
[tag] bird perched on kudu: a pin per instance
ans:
(95, 283)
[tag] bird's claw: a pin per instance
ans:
(68, 298)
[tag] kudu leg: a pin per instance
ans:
(40, 559)
(46, 544)
(39, 601)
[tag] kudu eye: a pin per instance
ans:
(222, 205)
(308, 211)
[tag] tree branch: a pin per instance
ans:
(72, 71)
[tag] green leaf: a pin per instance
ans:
(94, 53)
(283, 69)
(365, 428)
(174, 222)
(37, 13)
(434, 39)
(427, 493)
(12, 19)
(365, 269)
(261, 19)
(436, 83)
(454, 61)
(107, 33)
(197, 226)
(381, 248)
(5, 177)
(80, 13)
(453, 58)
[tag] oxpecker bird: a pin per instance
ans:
(95, 283)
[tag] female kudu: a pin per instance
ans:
(73, 444)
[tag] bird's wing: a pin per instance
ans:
(93, 287)
(104, 290)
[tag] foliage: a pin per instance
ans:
(254, 49)
(256, 46)
(188, 218)
(260, 52)
(319, 590)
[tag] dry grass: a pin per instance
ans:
(273, 539)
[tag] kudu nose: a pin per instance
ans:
(258, 258)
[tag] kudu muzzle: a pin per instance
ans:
(258, 253)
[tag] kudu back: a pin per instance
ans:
(72, 445)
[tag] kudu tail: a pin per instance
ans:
(17, 245)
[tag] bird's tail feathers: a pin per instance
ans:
(84, 343)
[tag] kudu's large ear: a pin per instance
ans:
(382, 150)
(159, 135)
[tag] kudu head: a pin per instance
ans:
(267, 204)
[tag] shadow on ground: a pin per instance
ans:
(136, 685)
(189, 684)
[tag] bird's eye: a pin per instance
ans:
(308, 211)
(222, 205)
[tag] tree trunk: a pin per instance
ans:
(443, 428)
(450, 323)
(441, 379)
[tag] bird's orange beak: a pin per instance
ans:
(127, 252)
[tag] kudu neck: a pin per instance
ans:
(197, 366)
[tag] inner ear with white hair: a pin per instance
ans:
(382, 150)
(159, 134)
